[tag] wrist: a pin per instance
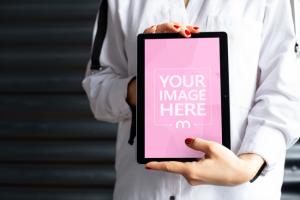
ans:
(131, 93)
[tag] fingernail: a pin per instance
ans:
(187, 32)
(189, 140)
(148, 167)
(196, 27)
(176, 26)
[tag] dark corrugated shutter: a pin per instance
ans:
(51, 147)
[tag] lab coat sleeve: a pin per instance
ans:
(107, 88)
(274, 120)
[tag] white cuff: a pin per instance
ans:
(267, 142)
(120, 107)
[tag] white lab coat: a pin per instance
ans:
(264, 90)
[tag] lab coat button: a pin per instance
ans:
(172, 197)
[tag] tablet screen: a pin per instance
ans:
(182, 95)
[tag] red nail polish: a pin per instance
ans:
(187, 32)
(176, 26)
(147, 167)
(189, 140)
(196, 27)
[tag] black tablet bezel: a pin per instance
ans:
(140, 119)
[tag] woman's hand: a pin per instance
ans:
(184, 30)
(219, 166)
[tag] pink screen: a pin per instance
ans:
(182, 95)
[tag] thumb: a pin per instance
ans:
(199, 144)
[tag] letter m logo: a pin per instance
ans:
(183, 124)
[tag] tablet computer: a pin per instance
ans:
(182, 92)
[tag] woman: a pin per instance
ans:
(264, 93)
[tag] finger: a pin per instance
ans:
(200, 144)
(177, 26)
(151, 29)
(168, 28)
(168, 166)
(193, 29)
(185, 32)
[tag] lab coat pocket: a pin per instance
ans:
(244, 40)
